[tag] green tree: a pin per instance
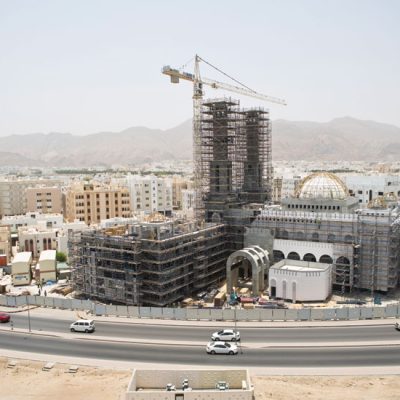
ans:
(61, 257)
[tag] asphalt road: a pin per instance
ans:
(202, 334)
(370, 356)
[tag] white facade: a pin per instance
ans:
(187, 199)
(150, 193)
(47, 265)
(366, 187)
(33, 219)
(20, 269)
(300, 280)
(36, 239)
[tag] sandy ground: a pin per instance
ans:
(27, 381)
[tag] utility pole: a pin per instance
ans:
(29, 314)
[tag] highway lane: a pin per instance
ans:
(368, 356)
(269, 335)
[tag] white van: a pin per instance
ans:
(82, 325)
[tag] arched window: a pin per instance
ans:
(326, 259)
(331, 238)
(348, 239)
(293, 256)
(342, 261)
(315, 237)
(278, 255)
(309, 257)
(285, 235)
(300, 235)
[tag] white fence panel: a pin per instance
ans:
(21, 300)
(87, 305)
(342, 313)
(133, 311)
(39, 301)
(191, 313)
(378, 312)
(253, 315)
(291, 315)
(122, 311)
(180, 313)
(304, 314)
(48, 302)
(145, 312)
(317, 314)
(216, 315)
(329, 314)
(100, 309)
(76, 304)
(228, 314)
(156, 312)
(266, 314)
(3, 300)
(354, 313)
(66, 304)
(398, 310)
(111, 310)
(278, 315)
(58, 302)
(241, 315)
(168, 313)
(391, 311)
(366, 313)
(31, 300)
(204, 313)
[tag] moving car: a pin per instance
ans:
(4, 317)
(221, 348)
(82, 325)
(397, 325)
(226, 335)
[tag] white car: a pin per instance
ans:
(228, 335)
(221, 348)
(397, 326)
(82, 325)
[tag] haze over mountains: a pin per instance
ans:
(346, 139)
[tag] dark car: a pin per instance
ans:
(4, 317)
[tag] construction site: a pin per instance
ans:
(160, 262)
(154, 263)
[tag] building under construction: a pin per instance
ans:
(151, 263)
(321, 222)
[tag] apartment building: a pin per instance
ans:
(5, 245)
(92, 204)
(366, 188)
(179, 184)
(33, 219)
(44, 199)
(37, 239)
(150, 194)
(13, 200)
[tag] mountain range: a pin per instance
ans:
(342, 139)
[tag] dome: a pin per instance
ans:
(322, 185)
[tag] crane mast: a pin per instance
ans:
(175, 76)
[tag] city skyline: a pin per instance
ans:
(88, 67)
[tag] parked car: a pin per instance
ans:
(82, 325)
(221, 348)
(4, 317)
(397, 325)
(249, 300)
(228, 335)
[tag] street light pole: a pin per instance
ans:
(29, 314)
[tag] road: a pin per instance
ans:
(202, 334)
(370, 356)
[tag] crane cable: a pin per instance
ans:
(230, 77)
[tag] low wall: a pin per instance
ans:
(208, 314)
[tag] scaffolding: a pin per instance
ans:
(155, 264)
(234, 157)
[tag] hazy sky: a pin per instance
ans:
(83, 66)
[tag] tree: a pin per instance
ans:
(61, 257)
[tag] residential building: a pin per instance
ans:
(37, 239)
(44, 200)
(179, 184)
(33, 219)
(150, 194)
(5, 245)
(92, 204)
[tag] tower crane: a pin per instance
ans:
(198, 81)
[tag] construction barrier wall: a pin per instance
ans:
(208, 314)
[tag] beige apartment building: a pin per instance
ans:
(13, 193)
(178, 185)
(92, 204)
(44, 200)
(5, 245)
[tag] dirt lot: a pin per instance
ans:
(27, 381)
